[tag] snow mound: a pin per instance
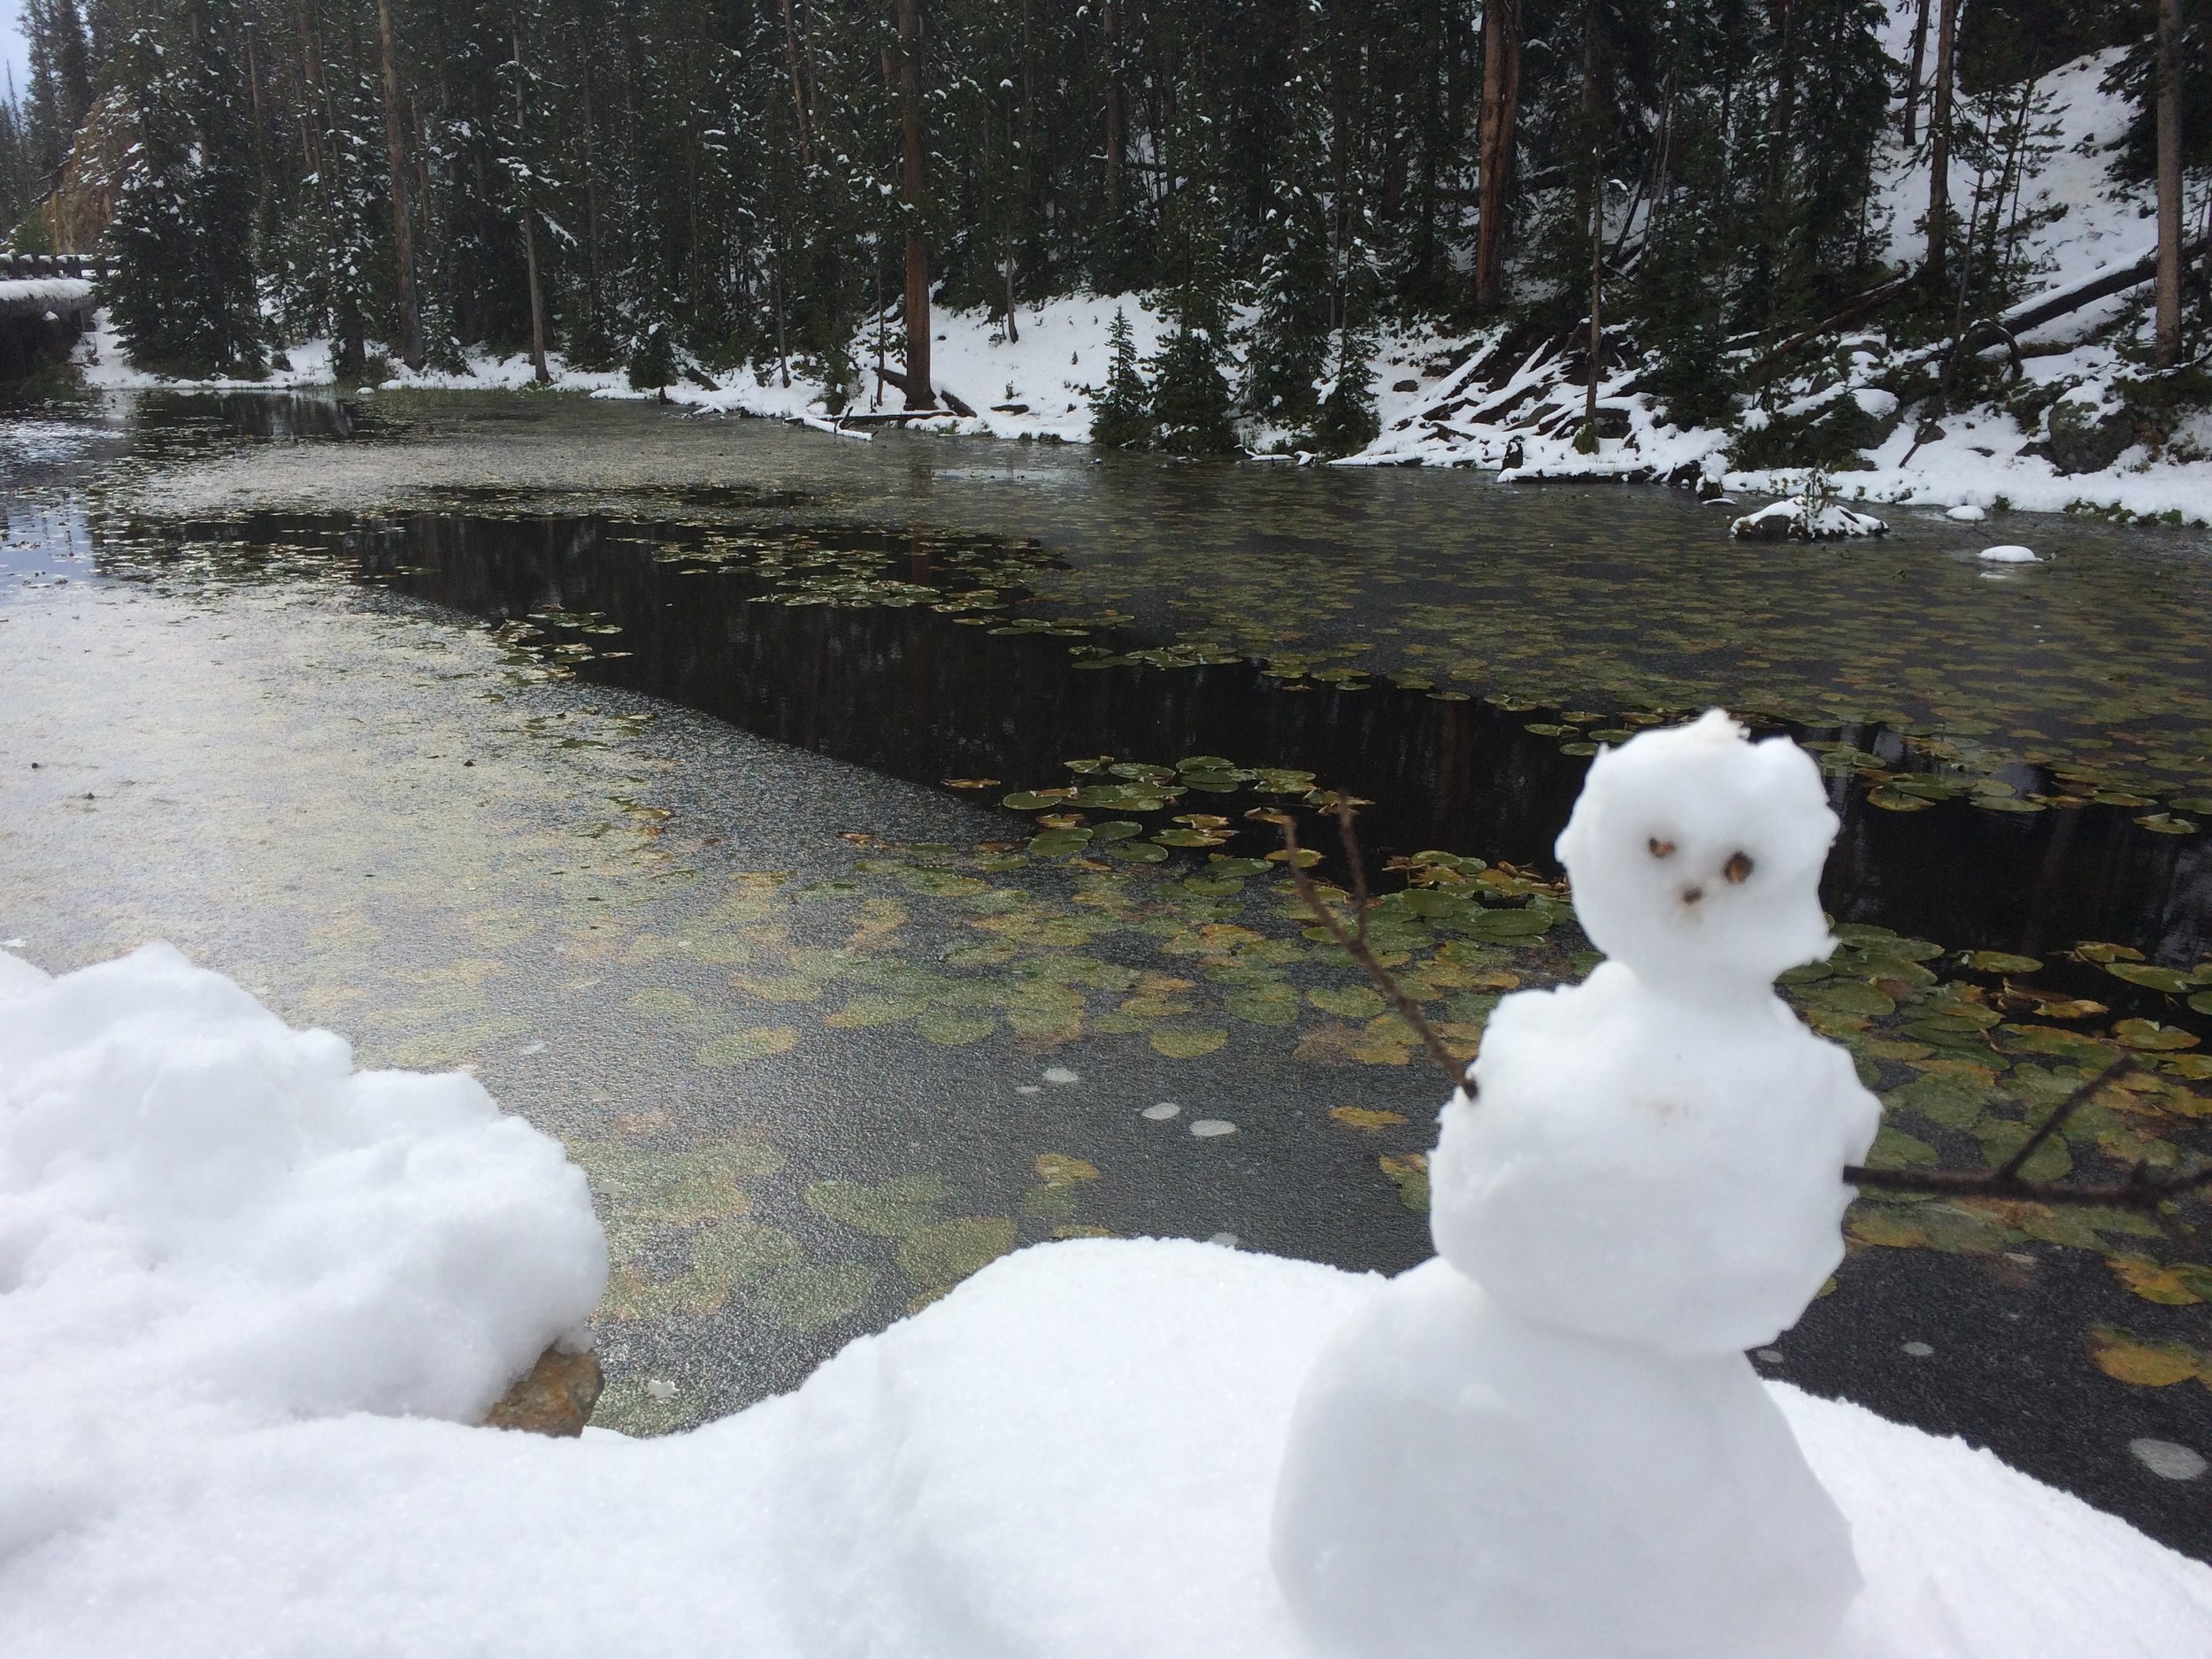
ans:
(1071, 1454)
(224, 1257)
(1804, 521)
(210, 1220)
(1966, 512)
(2008, 554)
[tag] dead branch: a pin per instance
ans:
(1355, 943)
(2138, 1190)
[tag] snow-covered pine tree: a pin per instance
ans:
(1121, 417)
(1287, 350)
(185, 294)
(1347, 422)
(1190, 401)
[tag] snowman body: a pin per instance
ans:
(1547, 1443)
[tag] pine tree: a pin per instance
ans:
(1348, 423)
(1288, 348)
(186, 294)
(1190, 401)
(1121, 415)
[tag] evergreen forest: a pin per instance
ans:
(675, 185)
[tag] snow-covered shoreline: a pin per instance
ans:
(1446, 397)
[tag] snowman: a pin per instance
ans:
(1547, 1442)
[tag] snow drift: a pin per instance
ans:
(243, 1290)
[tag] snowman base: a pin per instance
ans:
(1564, 1494)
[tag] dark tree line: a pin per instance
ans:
(681, 184)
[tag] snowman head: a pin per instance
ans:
(1695, 857)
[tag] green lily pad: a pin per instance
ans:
(1222, 867)
(1499, 924)
(2171, 980)
(814, 1294)
(955, 1027)
(756, 1043)
(889, 1210)
(1353, 1001)
(2154, 1038)
(1185, 1042)
(1850, 996)
(1059, 843)
(937, 1256)
(2001, 962)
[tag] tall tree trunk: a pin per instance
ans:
(920, 390)
(1500, 107)
(2168, 95)
(1115, 120)
(1587, 440)
(1939, 146)
(403, 236)
(1912, 82)
(798, 85)
(538, 371)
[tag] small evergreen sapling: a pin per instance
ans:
(1349, 423)
(1121, 417)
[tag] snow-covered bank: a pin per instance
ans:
(227, 1265)
(2073, 430)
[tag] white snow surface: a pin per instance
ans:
(209, 1221)
(228, 1263)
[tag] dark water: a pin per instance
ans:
(913, 693)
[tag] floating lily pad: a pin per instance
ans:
(1185, 1042)
(1849, 996)
(2146, 1362)
(755, 1043)
(937, 1256)
(2001, 962)
(2171, 980)
(2152, 1037)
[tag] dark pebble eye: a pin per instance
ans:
(1738, 869)
(1661, 849)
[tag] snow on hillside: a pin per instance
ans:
(1454, 399)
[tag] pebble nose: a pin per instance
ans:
(1691, 895)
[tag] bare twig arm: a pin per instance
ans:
(1355, 945)
(2138, 1189)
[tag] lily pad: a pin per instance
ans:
(756, 1043)
(2150, 1036)
(1185, 1042)
(2171, 980)
(2001, 962)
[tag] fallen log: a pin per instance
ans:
(2112, 280)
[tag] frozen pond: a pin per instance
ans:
(640, 762)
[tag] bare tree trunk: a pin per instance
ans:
(403, 236)
(2169, 94)
(538, 371)
(1500, 106)
(1912, 84)
(920, 390)
(798, 85)
(1116, 121)
(1587, 440)
(1940, 145)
